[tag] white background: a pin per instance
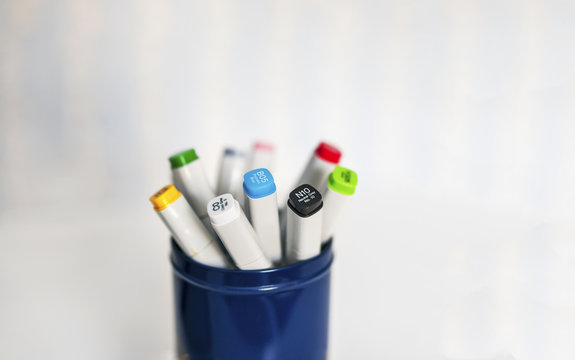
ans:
(459, 117)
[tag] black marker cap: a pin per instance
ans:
(305, 200)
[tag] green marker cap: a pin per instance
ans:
(342, 180)
(183, 158)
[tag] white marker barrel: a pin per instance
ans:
(340, 186)
(262, 156)
(262, 203)
(190, 178)
(304, 219)
(230, 177)
(186, 228)
(320, 165)
(235, 231)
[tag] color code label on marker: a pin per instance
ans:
(342, 180)
(221, 204)
(259, 183)
(164, 197)
(305, 195)
(305, 200)
(223, 209)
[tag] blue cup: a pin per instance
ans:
(273, 314)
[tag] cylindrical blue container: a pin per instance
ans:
(273, 314)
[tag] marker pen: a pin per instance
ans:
(190, 178)
(230, 177)
(262, 204)
(235, 231)
(320, 165)
(337, 193)
(304, 218)
(190, 234)
(262, 156)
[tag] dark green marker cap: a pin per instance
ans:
(183, 158)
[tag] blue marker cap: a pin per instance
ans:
(259, 183)
(233, 152)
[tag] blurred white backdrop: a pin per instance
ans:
(457, 115)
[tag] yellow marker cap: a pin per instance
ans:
(164, 197)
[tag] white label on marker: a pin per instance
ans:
(221, 205)
(305, 195)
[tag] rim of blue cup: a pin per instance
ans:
(251, 281)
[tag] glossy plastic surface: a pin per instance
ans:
(272, 314)
(259, 183)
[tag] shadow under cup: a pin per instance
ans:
(272, 314)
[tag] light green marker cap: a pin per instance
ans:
(183, 158)
(342, 180)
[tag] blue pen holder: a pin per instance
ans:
(273, 314)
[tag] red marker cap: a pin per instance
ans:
(328, 153)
